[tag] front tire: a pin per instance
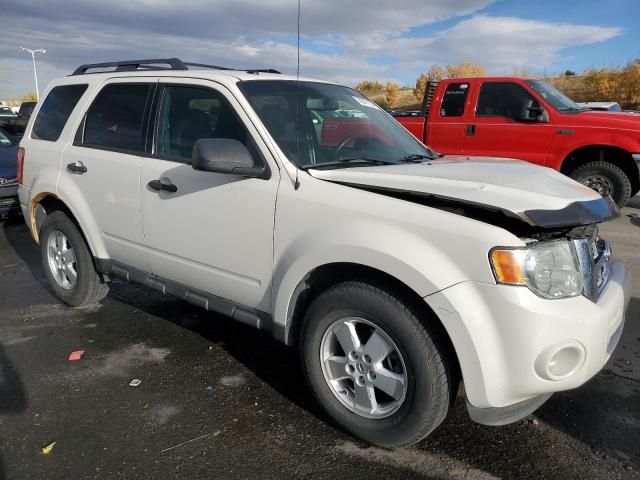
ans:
(375, 364)
(606, 179)
(68, 263)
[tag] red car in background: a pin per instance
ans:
(528, 119)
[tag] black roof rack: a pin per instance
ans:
(157, 64)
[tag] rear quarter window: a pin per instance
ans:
(454, 100)
(55, 111)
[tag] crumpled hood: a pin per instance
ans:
(511, 186)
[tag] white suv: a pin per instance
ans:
(397, 272)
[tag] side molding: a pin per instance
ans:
(241, 313)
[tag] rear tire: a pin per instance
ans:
(606, 179)
(419, 357)
(68, 263)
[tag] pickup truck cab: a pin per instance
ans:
(16, 123)
(301, 208)
(530, 120)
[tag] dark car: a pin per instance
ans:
(9, 204)
(26, 109)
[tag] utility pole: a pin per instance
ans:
(35, 72)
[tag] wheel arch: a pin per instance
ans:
(46, 203)
(601, 152)
(325, 276)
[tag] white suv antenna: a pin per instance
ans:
(296, 184)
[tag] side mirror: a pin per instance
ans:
(530, 113)
(225, 155)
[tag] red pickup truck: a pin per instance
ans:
(530, 120)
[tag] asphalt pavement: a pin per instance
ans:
(221, 400)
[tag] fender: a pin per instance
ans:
(415, 264)
(82, 211)
(592, 137)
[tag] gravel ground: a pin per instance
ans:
(238, 397)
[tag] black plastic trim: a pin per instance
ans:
(577, 213)
(241, 313)
(132, 65)
(153, 65)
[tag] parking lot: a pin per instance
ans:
(221, 400)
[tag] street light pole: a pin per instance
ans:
(35, 72)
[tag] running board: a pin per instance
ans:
(241, 313)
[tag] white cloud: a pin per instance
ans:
(343, 39)
(501, 43)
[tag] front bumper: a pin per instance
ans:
(506, 337)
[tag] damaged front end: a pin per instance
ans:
(576, 219)
(574, 226)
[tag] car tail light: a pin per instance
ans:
(20, 164)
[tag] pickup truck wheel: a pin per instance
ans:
(68, 263)
(374, 366)
(606, 179)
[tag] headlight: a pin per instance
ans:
(548, 269)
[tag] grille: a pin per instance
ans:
(594, 256)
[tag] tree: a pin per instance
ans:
(465, 69)
(435, 74)
(382, 103)
(29, 97)
(569, 73)
(369, 87)
(392, 93)
(601, 84)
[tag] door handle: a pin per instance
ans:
(77, 168)
(471, 130)
(157, 185)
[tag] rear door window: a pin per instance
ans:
(115, 120)
(55, 111)
(454, 100)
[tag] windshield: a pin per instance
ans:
(331, 126)
(554, 97)
(5, 140)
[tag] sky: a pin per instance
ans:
(341, 40)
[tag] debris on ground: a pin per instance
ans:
(135, 382)
(188, 441)
(47, 449)
(210, 388)
(77, 355)
(634, 218)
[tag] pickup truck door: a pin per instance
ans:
(209, 231)
(446, 120)
(493, 128)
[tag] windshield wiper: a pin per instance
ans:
(415, 158)
(349, 161)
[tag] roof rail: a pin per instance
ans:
(261, 70)
(129, 65)
(155, 64)
(204, 65)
